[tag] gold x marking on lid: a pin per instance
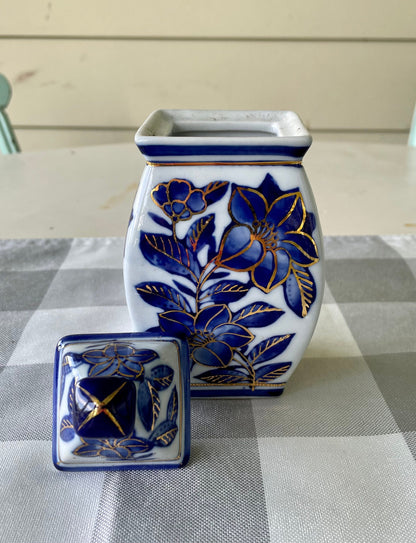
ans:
(100, 407)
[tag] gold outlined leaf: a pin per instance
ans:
(164, 434)
(270, 372)
(148, 404)
(258, 314)
(300, 291)
(155, 404)
(269, 348)
(161, 376)
(225, 292)
(200, 232)
(223, 376)
(163, 296)
(167, 253)
(172, 411)
(163, 382)
(71, 395)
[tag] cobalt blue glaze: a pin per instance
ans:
(218, 150)
(104, 407)
(269, 237)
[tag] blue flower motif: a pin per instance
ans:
(268, 236)
(118, 359)
(211, 333)
(179, 199)
(115, 449)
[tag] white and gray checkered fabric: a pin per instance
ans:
(331, 460)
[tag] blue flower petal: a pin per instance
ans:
(288, 212)
(178, 189)
(104, 368)
(272, 271)
(176, 323)
(130, 369)
(196, 202)
(94, 356)
(301, 247)
(117, 452)
(234, 335)
(270, 189)
(159, 194)
(178, 207)
(143, 356)
(247, 205)
(239, 251)
(212, 316)
(213, 353)
(118, 349)
(90, 448)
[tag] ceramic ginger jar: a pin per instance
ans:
(224, 247)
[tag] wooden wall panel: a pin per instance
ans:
(55, 138)
(97, 83)
(372, 19)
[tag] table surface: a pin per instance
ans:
(331, 460)
(360, 188)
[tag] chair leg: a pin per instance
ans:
(8, 140)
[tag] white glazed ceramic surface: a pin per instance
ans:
(224, 246)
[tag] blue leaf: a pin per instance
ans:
(71, 395)
(300, 291)
(219, 275)
(224, 376)
(172, 411)
(269, 348)
(161, 376)
(270, 372)
(148, 404)
(184, 289)
(224, 292)
(160, 220)
(164, 434)
(215, 191)
(66, 431)
(166, 253)
(137, 445)
(161, 295)
(258, 314)
(200, 234)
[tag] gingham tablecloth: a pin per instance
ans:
(331, 460)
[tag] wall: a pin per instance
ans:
(90, 71)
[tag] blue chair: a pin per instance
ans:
(8, 141)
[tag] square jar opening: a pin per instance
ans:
(222, 124)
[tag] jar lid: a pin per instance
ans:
(121, 401)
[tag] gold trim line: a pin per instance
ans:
(229, 163)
